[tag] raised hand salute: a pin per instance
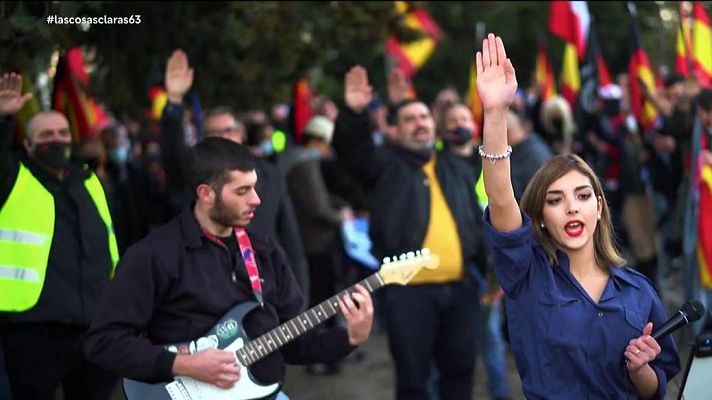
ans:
(11, 98)
(358, 93)
(179, 77)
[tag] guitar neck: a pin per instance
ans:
(271, 341)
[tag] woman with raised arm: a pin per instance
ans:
(580, 324)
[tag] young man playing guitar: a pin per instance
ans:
(175, 284)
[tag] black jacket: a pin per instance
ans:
(275, 217)
(79, 263)
(175, 284)
(399, 191)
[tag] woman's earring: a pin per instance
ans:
(599, 216)
(542, 225)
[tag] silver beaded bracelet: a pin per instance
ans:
(494, 157)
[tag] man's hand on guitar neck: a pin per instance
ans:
(358, 318)
(213, 366)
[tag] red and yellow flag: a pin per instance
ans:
(570, 21)
(704, 227)
(302, 111)
(639, 69)
(158, 97)
(701, 47)
(69, 95)
(604, 77)
(703, 184)
(683, 42)
(412, 55)
(544, 75)
(570, 75)
(473, 96)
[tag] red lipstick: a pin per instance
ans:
(574, 228)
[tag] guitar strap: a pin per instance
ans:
(248, 256)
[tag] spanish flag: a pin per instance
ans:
(158, 97)
(701, 50)
(411, 93)
(683, 42)
(570, 75)
(570, 21)
(473, 96)
(301, 113)
(69, 95)
(704, 224)
(544, 75)
(639, 69)
(604, 77)
(412, 55)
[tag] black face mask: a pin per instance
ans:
(558, 126)
(254, 133)
(612, 107)
(459, 136)
(54, 155)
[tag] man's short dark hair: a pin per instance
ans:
(672, 79)
(394, 109)
(210, 161)
(704, 99)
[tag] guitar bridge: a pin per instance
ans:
(177, 391)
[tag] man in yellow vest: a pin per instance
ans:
(57, 253)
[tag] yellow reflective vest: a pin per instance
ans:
(26, 237)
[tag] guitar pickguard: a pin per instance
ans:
(227, 334)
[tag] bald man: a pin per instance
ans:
(57, 253)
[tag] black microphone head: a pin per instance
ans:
(693, 310)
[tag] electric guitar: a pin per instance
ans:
(228, 334)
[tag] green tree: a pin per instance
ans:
(249, 54)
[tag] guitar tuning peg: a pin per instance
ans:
(402, 257)
(426, 251)
(417, 253)
(410, 255)
(386, 260)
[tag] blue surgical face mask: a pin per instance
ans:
(314, 154)
(120, 155)
(266, 147)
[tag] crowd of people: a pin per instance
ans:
(555, 231)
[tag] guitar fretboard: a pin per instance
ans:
(260, 347)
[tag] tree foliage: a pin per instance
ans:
(249, 54)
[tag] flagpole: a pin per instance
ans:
(479, 34)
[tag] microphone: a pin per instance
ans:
(691, 311)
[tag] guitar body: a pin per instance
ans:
(227, 334)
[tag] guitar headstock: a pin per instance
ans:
(401, 269)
